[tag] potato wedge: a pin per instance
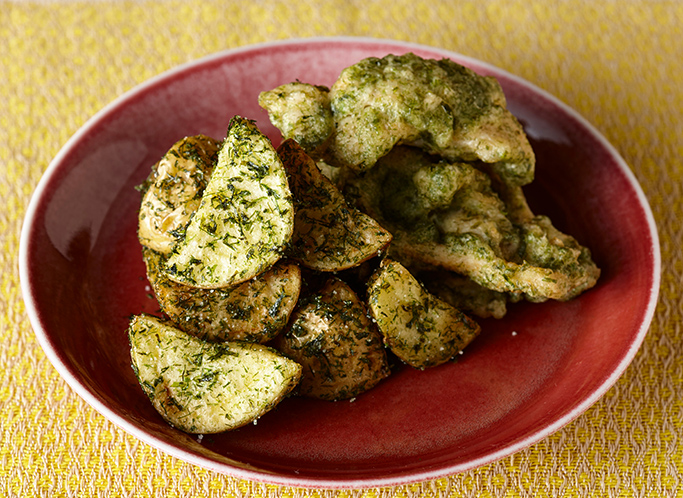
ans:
(338, 346)
(254, 311)
(419, 328)
(201, 387)
(173, 191)
(329, 235)
(245, 218)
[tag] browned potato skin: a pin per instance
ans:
(328, 234)
(336, 343)
(173, 191)
(419, 328)
(254, 311)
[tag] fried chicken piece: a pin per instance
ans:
(447, 215)
(428, 196)
(301, 112)
(438, 105)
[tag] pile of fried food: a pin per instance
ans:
(391, 213)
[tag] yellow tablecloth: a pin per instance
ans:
(617, 62)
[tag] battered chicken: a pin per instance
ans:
(438, 105)
(447, 215)
(429, 149)
(301, 112)
(443, 107)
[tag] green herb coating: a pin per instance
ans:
(201, 387)
(338, 346)
(245, 218)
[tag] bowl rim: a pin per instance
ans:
(246, 472)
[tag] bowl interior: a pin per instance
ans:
(523, 378)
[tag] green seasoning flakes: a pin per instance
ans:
(205, 388)
(245, 218)
(301, 112)
(253, 311)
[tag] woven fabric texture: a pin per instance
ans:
(616, 62)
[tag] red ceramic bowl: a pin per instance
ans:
(525, 377)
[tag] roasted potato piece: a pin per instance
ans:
(418, 327)
(338, 346)
(301, 112)
(201, 387)
(173, 191)
(245, 218)
(254, 311)
(328, 234)
(441, 106)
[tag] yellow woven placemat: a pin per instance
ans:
(617, 63)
